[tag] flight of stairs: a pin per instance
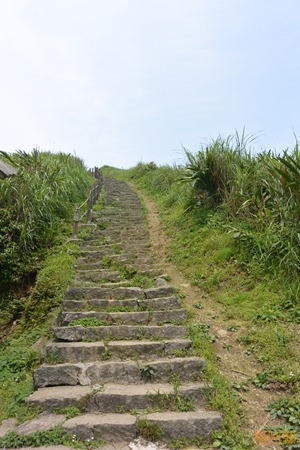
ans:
(120, 351)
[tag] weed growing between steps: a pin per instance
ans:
(149, 430)
(55, 436)
(128, 272)
(68, 411)
(89, 322)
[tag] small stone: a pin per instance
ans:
(7, 425)
(222, 333)
(160, 282)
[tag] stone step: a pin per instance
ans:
(177, 316)
(77, 293)
(98, 275)
(103, 293)
(113, 428)
(163, 303)
(118, 397)
(120, 428)
(190, 424)
(96, 254)
(58, 352)
(118, 332)
(52, 398)
(123, 372)
(115, 398)
(84, 264)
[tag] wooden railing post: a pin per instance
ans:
(89, 209)
(91, 200)
(76, 221)
(94, 195)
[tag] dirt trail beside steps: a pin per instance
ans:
(234, 364)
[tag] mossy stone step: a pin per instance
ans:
(57, 352)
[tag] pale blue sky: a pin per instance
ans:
(123, 81)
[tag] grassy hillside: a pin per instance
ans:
(36, 209)
(232, 226)
(36, 263)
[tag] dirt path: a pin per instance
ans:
(235, 365)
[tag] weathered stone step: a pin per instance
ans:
(163, 303)
(96, 254)
(51, 398)
(58, 352)
(138, 397)
(98, 275)
(83, 262)
(113, 428)
(117, 428)
(190, 424)
(118, 332)
(178, 316)
(103, 293)
(77, 293)
(186, 369)
(117, 397)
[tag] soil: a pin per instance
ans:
(234, 364)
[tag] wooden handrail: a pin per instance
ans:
(90, 201)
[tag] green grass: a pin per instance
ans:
(55, 436)
(18, 354)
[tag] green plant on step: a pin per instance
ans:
(69, 411)
(106, 355)
(147, 371)
(184, 442)
(184, 352)
(52, 357)
(149, 430)
(89, 322)
(171, 402)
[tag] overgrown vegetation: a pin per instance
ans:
(36, 208)
(36, 266)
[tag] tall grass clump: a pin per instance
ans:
(35, 205)
(258, 195)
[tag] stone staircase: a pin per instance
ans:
(120, 351)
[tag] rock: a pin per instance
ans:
(48, 375)
(160, 282)
(43, 422)
(222, 333)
